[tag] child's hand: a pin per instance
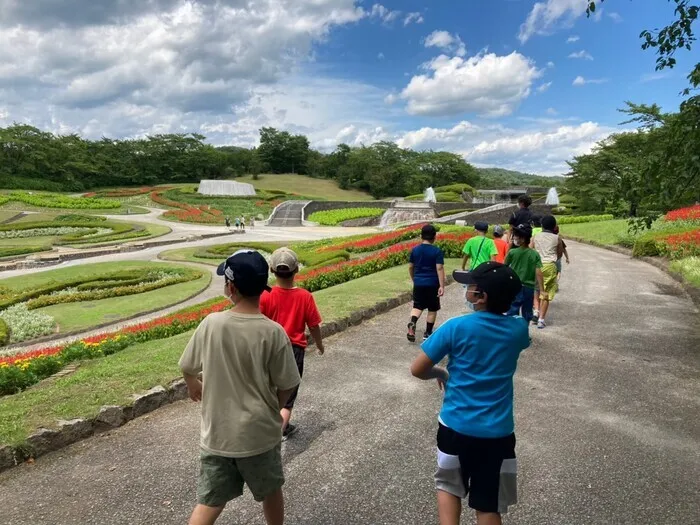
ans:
(441, 291)
(321, 349)
(442, 378)
(195, 391)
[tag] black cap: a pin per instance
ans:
(549, 222)
(524, 230)
(481, 226)
(428, 232)
(496, 279)
(248, 270)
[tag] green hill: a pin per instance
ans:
(497, 178)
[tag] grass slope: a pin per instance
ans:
(606, 232)
(319, 188)
(113, 379)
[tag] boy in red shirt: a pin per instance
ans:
(295, 309)
(501, 245)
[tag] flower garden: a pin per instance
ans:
(336, 217)
(37, 305)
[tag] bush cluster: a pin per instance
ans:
(335, 217)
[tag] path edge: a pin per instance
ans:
(44, 440)
(660, 263)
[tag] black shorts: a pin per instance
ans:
(299, 353)
(483, 468)
(426, 298)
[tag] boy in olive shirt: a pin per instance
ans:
(479, 249)
(248, 373)
(527, 264)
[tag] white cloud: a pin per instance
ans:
(583, 54)
(547, 16)
(580, 81)
(380, 56)
(425, 138)
(615, 17)
(572, 39)
(385, 15)
(447, 42)
(487, 84)
(544, 87)
(415, 18)
(552, 112)
(652, 77)
(550, 64)
(391, 98)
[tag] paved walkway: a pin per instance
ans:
(607, 403)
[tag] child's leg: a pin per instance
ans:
(544, 306)
(432, 317)
(449, 508)
(286, 412)
(527, 302)
(273, 508)
(488, 518)
(517, 304)
(203, 515)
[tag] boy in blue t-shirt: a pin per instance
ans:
(427, 270)
(476, 442)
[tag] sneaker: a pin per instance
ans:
(541, 324)
(291, 429)
(411, 335)
(535, 319)
(426, 335)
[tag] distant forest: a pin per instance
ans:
(38, 160)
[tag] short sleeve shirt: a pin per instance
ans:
(294, 309)
(521, 216)
(244, 361)
(480, 250)
(483, 351)
(524, 261)
(425, 258)
(546, 244)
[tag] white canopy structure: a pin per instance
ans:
(225, 187)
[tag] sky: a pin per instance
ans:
(517, 84)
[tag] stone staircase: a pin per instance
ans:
(288, 214)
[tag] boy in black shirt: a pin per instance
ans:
(522, 216)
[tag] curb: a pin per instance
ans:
(46, 440)
(661, 263)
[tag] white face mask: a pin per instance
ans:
(516, 241)
(470, 306)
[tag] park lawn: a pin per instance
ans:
(689, 268)
(604, 232)
(187, 255)
(72, 272)
(83, 315)
(6, 215)
(153, 230)
(112, 380)
(322, 189)
(21, 206)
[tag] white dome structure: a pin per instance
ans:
(225, 187)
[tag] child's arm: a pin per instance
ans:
(411, 269)
(318, 339)
(441, 279)
(540, 279)
(423, 368)
(464, 261)
(194, 387)
(283, 396)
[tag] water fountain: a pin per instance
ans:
(552, 197)
(410, 211)
(225, 187)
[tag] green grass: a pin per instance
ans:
(84, 315)
(689, 268)
(113, 379)
(187, 255)
(322, 189)
(154, 230)
(7, 214)
(606, 232)
(20, 206)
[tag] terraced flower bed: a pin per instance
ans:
(56, 200)
(335, 217)
(26, 303)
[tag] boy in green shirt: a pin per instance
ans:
(527, 264)
(479, 249)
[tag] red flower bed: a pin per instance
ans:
(691, 213)
(376, 242)
(681, 245)
(203, 214)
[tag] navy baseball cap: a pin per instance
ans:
(248, 270)
(496, 279)
(481, 226)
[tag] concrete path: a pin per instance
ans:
(607, 399)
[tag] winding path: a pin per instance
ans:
(607, 404)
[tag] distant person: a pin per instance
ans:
(295, 309)
(536, 228)
(522, 215)
(243, 223)
(228, 222)
(252, 222)
(536, 225)
(427, 270)
(248, 374)
(479, 249)
(501, 244)
(475, 438)
(563, 253)
(238, 223)
(548, 245)
(526, 263)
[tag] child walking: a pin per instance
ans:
(527, 265)
(248, 373)
(475, 439)
(501, 244)
(427, 270)
(295, 309)
(549, 245)
(479, 248)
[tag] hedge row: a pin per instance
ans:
(577, 219)
(9, 251)
(4, 332)
(335, 217)
(55, 200)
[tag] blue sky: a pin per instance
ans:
(511, 83)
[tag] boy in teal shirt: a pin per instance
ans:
(479, 249)
(527, 264)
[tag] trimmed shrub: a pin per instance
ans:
(447, 213)
(55, 200)
(577, 219)
(10, 251)
(645, 247)
(335, 217)
(455, 188)
(4, 332)
(75, 217)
